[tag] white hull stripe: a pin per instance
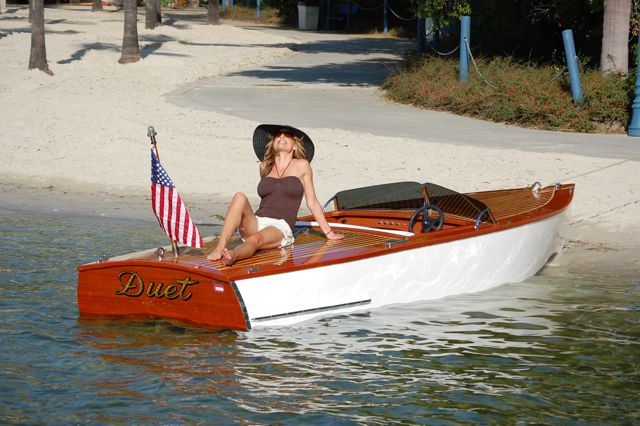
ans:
(313, 310)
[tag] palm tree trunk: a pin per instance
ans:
(38, 54)
(213, 12)
(96, 6)
(152, 14)
(3, 6)
(130, 47)
(615, 36)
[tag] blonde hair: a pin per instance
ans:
(270, 154)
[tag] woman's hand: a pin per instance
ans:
(331, 235)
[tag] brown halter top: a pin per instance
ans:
(281, 198)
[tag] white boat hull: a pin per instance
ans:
(432, 272)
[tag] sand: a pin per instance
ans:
(76, 141)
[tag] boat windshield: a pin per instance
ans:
(455, 203)
(388, 196)
(410, 196)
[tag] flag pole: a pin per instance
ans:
(151, 132)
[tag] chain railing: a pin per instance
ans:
(400, 17)
(442, 53)
(475, 65)
(466, 43)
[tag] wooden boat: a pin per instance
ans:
(405, 242)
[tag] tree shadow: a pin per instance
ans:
(361, 73)
(5, 33)
(171, 21)
(188, 16)
(155, 42)
(76, 56)
(13, 18)
(277, 45)
(358, 61)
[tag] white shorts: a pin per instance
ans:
(280, 224)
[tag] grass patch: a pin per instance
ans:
(524, 94)
(268, 15)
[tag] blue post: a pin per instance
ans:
(224, 5)
(572, 66)
(634, 126)
(231, 3)
(465, 35)
(258, 9)
(386, 26)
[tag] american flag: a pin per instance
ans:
(168, 207)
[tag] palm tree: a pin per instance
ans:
(96, 6)
(130, 47)
(38, 54)
(615, 36)
(152, 12)
(213, 12)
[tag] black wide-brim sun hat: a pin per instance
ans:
(265, 132)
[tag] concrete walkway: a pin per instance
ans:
(332, 81)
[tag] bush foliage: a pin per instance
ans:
(268, 15)
(525, 94)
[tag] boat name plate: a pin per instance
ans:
(134, 286)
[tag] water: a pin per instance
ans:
(558, 349)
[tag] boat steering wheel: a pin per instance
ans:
(428, 224)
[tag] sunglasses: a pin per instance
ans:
(278, 134)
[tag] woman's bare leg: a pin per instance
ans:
(269, 237)
(239, 215)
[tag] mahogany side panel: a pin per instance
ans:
(155, 290)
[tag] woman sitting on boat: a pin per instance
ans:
(285, 170)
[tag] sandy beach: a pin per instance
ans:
(76, 141)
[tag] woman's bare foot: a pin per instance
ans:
(216, 254)
(228, 256)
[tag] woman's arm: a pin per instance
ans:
(314, 205)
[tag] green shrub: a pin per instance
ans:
(527, 95)
(268, 15)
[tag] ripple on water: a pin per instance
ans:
(556, 349)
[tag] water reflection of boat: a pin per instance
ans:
(404, 242)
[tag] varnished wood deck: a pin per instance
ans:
(511, 202)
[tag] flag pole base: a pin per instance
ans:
(175, 249)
